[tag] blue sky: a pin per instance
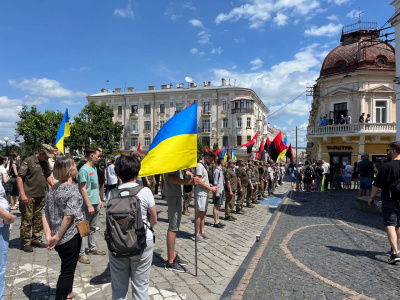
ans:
(54, 53)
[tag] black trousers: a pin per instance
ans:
(157, 184)
(69, 254)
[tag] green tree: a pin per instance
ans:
(37, 128)
(200, 148)
(94, 127)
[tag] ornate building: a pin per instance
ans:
(225, 113)
(356, 77)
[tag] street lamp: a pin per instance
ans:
(5, 144)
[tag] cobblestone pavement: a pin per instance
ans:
(319, 246)
(34, 275)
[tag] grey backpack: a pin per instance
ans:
(125, 231)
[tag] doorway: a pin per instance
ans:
(340, 157)
(338, 110)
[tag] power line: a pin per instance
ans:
(287, 104)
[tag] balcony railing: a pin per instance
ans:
(353, 128)
(242, 111)
(205, 129)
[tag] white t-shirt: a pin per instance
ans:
(2, 171)
(146, 201)
(201, 171)
(111, 176)
(349, 170)
(3, 202)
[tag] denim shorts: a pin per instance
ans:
(391, 213)
(218, 201)
(347, 179)
(365, 183)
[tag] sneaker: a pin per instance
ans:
(180, 261)
(222, 224)
(250, 206)
(229, 218)
(218, 225)
(256, 202)
(205, 236)
(200, 239)
(175, 267)
(84, 259)
(240, 212)
(186, 213)
(27, 248)
(394, 258)
(97, 252)
(38, 245)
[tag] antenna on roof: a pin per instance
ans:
(125, 86)
(188, 80)
(359, 14)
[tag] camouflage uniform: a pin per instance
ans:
(188, 199)
(152, 186)
(34, 174)
(250, 191)
(261, 186)
(257, 186)
(244, 179)
(230, 200)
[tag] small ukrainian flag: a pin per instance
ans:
(63, 132)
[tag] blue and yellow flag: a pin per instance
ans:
(233, 156)
(175, 145)
(63, 132)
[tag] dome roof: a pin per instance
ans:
(361, 50)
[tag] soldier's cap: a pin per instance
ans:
(240, 161)
(48, 150)
(365, 155)
(231, 161)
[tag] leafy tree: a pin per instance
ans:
(37, 128)
(200, 148)
(94, 127)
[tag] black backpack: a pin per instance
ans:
(125, 231)
(308, 172)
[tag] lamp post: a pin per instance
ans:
(5, 143)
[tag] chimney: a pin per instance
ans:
(152, 87)
(117, 90)
(103, 90)
(223, 82)
(207, 83)
(131, 89)
(193, 85)
(180, 85)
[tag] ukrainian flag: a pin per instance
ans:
(63, 132)
(233, 156)
(175, 145)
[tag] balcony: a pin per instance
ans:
(352, 128)
(134, 132)
(206, 113)
(242, 111)
(134, 115)
(206, 130)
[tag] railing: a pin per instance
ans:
(205, 129)
(242, 110)
(360, 26)
(353, 128)
(134, 131)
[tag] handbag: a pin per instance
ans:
(83, 228)
(8, 187)
(12, 180)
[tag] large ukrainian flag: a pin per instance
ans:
(175, 145)
(63, 132)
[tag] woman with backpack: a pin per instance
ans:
(132, 269)
(292, 173)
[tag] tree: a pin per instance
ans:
(94, 127)
(200, 148)
(37, 128)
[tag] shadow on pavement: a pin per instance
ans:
(104, 277)
(36, 291)
(354, 252)
(15, 243)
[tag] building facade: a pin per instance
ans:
(225, 114)
(356, 77)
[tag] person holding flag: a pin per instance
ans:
(63, 132)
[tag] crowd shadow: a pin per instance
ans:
(374, 255)
(102, 278)
(15, 243)
(36, 291)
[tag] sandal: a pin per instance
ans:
(71, 295)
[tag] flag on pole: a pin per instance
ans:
(138, 148)
(282, 154)
(289, 154)
(63, 132)
(233, 156)
(228, 153)
(267, 143)
(252, 141)
(261, 150)
(285, 140)
(175, 145)
(217, 152)
(205, 149)
(276, 147)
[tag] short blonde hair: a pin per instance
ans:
(63, 167)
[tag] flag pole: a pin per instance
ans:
(195, 231)
(297, 168)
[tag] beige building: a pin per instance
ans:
(356, 77)
(225, 113)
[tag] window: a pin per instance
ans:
(225, 105)
(206, 125)
(248, 138)
(206, 107)
(147, 125)
(134, 126)
(239, 122)
(248, 122)
(120, 109)
(147, 108)
(225, 123)
(134, 142)
(381, 112)
(179, 107)
(238, 140)
(147, 141)
(134, 109)
(162, 108)
(162, 123)
(225, 140)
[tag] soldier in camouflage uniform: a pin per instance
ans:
(152, 183)
(188, 190)
(262, 182)
(33, 177)
(252, 184)
(230, 190)
(243, 181)
(255, 191)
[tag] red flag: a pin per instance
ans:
(276, 147)
(261, 149)
(138, 148)
(228, 153)
(268, 142)
(205, 149)
(217, 151)
(289, 154)
(211, 150)
(190, 104)
(252, 141)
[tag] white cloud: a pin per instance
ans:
(81, 69)
(189, 5)
(45, 87)
(67, 103)
(217, 51)
(333, 18)
(204, 37)
(35, 101)
(354, 14)
(196, 23)
(125, 12)
(172, 13)
(201, 53)
(338, 2)
(280, 19)
(9, 109)
(258, 12)
(329, 30)
(194, 50)
(290, 121)
(297, 108)
(256, 64)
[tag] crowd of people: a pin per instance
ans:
(342, 120)
(56, 195)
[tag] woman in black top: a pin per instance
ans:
(331, 122)
(337, 170)
(356, 176)
(14, 167)
(319, 173)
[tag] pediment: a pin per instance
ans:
(381, 88)
(339, 92)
